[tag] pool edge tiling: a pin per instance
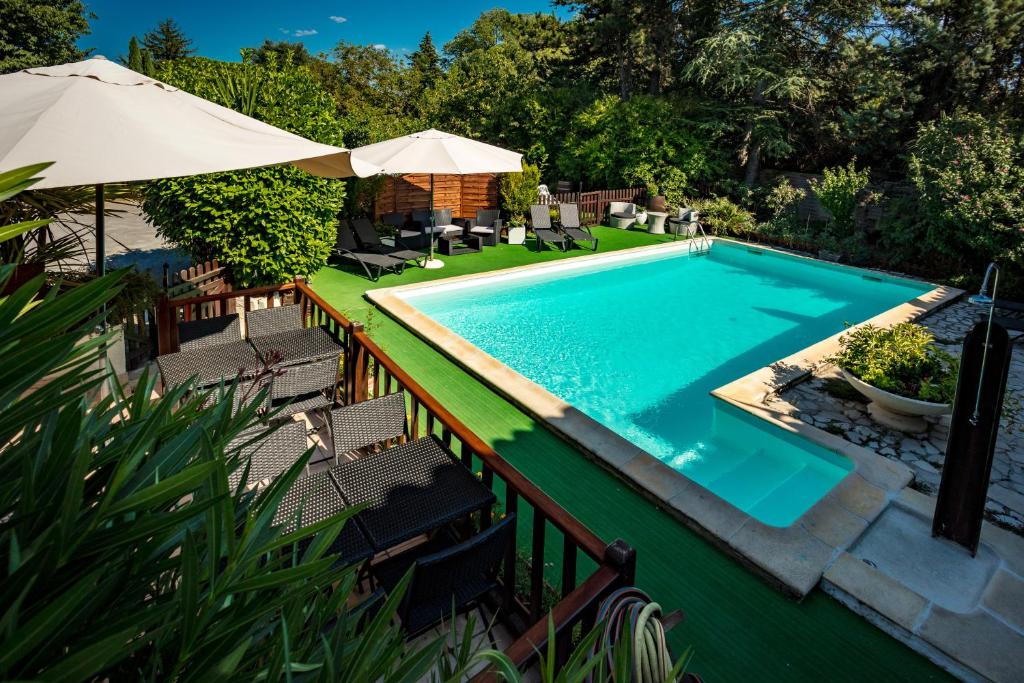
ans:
(794, 557)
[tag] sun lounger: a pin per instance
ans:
(540, 221)
(345, 247)
(569, 221)
(369, 240)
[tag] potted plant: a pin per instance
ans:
(901, 370)
(518, 192)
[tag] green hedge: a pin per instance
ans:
(268, 224)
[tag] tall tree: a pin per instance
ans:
(281, 50)
(167, 41)
(425, 62)
(134, 61)
(41, 32)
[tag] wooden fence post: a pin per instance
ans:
(163, 325)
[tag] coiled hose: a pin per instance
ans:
(628, 613)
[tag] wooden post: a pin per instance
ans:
(163, 325)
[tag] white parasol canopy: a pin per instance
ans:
(437, 153)
(102, 123)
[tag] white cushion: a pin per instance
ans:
(482, 230)
(448, 228)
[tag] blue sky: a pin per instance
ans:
(219, 28)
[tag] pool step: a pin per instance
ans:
(788, 500)
(746, 482)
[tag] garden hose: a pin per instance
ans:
(628, 614)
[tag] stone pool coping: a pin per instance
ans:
(792, 558)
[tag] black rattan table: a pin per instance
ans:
(313, 499)
(209, 365)
(408, 490)
(298, 346)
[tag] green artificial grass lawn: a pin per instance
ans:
(740, 628)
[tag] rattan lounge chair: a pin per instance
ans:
(264, 322)
(304, 388)
(487, 226)
(369, 240)
(540, 221)
(268, 456)
(457, 576)
(200, 334)
(369, 423)
(345, 247)
(569, 221)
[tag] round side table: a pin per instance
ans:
(657, 222)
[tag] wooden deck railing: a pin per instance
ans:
(369, 372)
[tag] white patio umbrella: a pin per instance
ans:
(101, 123)
(435, 152)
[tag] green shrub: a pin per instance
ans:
(902, 360)
(267, 224)
(724, 217)
(970, 183)
(518, 192)
(838, 191)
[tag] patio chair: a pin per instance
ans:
(304, 388)
(442, 225)
(267, 321)
(369, 240)
(569, 221)
(540, 221)
(621, 215)
(487, 226)
(245, 390)
(456, 576)
(268, 456)
(369, 423)
(200, 334)
(345, 247)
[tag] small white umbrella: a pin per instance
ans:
(435, 152)
(101, 123)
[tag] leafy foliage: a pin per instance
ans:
(167, 41)
(967, 171)
(268, 224)
(725, 217)
(838, 191)
(518, 192)
(902, 360)
(41, 32)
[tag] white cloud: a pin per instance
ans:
(303, 32)
(284, 31)
(337, 20)
(380, 46)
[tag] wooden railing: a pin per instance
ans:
(369, 372)
(593, 206)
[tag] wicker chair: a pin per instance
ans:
(244, 390)
(621, 215)
(200, 334)
(455, 576)
(268, 456)
(304, 388)
(487, 226)
(540, 221)
(267, 321)
(369, 423)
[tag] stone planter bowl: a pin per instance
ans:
(892, 410)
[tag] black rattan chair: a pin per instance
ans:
(569, 222)
(345, 247)
(269, 456)
(267, 321)
(245, 390)
(368, 423)
(200, 334)
(457, 576)
(304, 388)
(540, 221)
(487, 226)
(369, 240)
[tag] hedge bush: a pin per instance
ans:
(268, 224)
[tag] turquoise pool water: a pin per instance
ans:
(639, 344)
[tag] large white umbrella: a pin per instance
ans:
(435, 152)
(100, 123)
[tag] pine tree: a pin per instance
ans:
(148, 67)
(427, 62)
(135, 56)
(168, 41)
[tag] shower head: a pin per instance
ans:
(983, 298)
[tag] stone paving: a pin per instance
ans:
(827, 402)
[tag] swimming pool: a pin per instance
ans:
(638, 343)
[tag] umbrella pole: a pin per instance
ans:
(432, 262)
(101, 247)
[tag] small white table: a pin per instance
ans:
(657, 222)
(517, 234)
